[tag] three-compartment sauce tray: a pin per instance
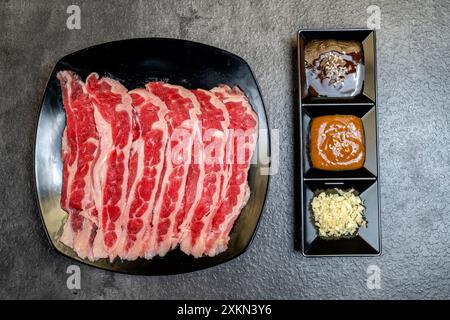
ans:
(352, 94)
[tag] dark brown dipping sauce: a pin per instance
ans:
(337, 143)
(334, 68)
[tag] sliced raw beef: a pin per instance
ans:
(79, 150)
(244, 128)
(113, 117)
(147, 170)
(183, 125)
(145, 166)
(203, 190)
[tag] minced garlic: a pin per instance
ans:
(338, 214)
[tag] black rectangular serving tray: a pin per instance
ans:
(365, 180)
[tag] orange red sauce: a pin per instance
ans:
(337, 143)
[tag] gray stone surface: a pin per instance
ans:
(414, 120)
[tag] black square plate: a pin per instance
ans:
(135, 62)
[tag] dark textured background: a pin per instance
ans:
(413, 65)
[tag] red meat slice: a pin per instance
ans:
(114, 119)
(204, 189)
(183, 125)
(79, 150)
(243, 128)
(145, 166)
